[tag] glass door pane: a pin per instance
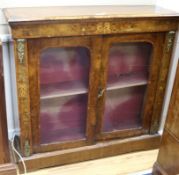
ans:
(64, 76)
(128, 69)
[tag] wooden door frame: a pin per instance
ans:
(36, 46)
(156, 40)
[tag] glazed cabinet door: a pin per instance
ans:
(79, 90)
(130, 67)
(63, 88)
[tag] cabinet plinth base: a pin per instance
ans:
(99, 150)
(8, 169)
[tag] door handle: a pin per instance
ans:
(100, 92)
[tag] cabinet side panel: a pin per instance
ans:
(168, 158)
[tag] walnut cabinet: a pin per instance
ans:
(90, 80)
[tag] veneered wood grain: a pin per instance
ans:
(172, 121)
(91, 20)
(23, 97)
(84, 12)
(40, 148)
(94, 27)
(121, 134)
(34, 91)
(94, 88)
(153, 81)
(162, 81)
(129, 163)
(168, 157)
(100, 150)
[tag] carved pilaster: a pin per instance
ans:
(170, 40)
(164, 67)
(23, 95)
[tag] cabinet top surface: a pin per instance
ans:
(32, 14)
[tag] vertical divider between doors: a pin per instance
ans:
(95, 74)
(102, 86)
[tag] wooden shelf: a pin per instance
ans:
(65, 93)
(120, 86)
(124, 82)
(131, 81)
